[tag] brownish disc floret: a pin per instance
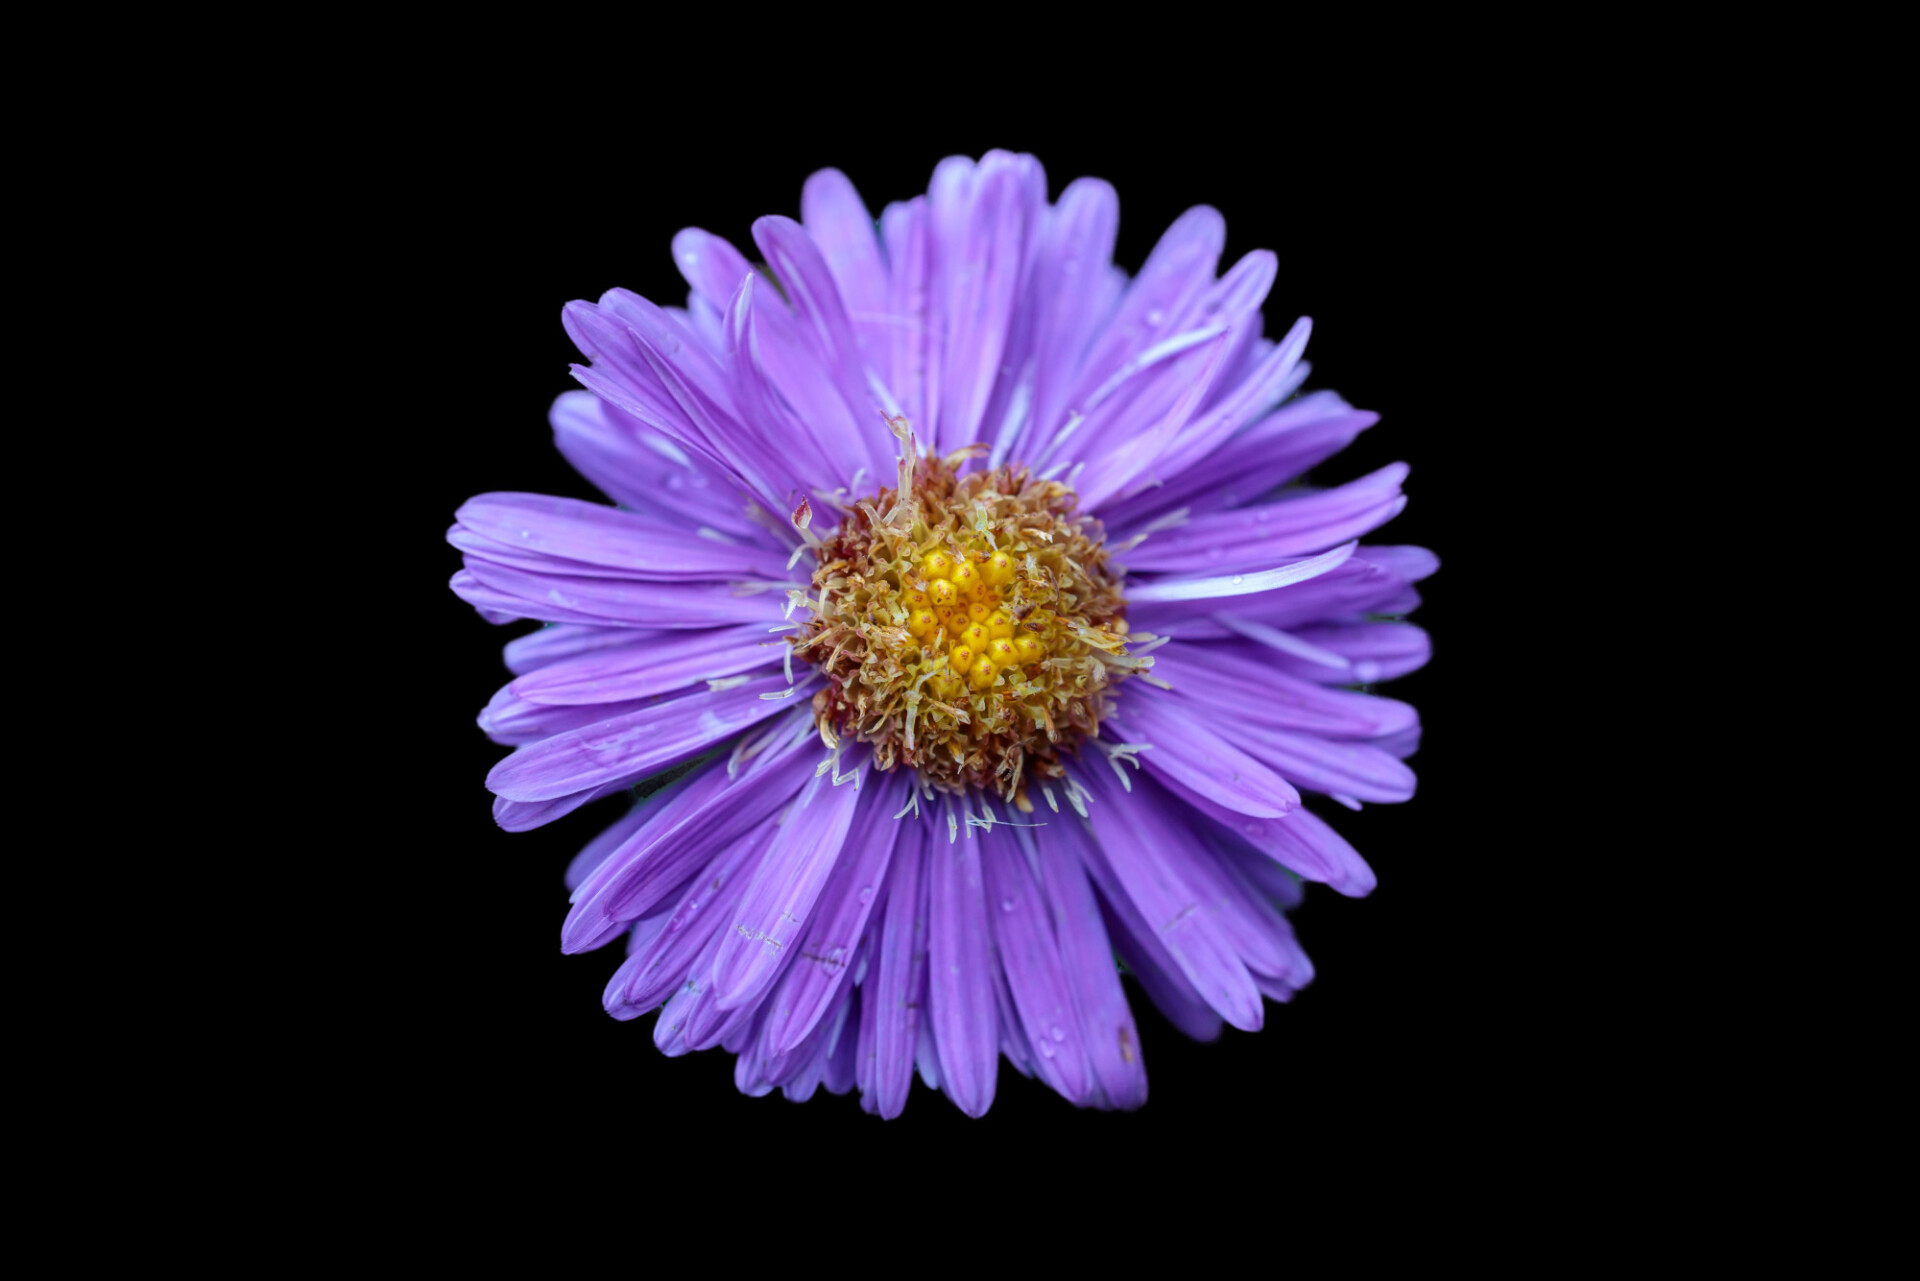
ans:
(969, 626)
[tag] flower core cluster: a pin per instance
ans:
(969, 626)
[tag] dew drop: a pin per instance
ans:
(833, 957)
(1155, 316)
(1006, 905)
(1239, 579)
(1046, 1049)
(1057, 1032)
(866, 894)
(526, 533)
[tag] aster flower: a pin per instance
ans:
(953, 575)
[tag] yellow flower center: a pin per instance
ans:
(969, 626)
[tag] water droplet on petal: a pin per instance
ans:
(1057, 1032)
(1006, 905)
(1046, 1049)
(866, 894)
(1239, 579)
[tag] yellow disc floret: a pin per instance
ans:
(969, 626)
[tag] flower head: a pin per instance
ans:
(953, 576)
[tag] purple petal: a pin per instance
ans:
(639, 467)
(1108, 1034)
(586, 538)
(899, 972)
(1230, 681)
(821, 318)
(563, 598)
(840, 916)
(960, 984)
(1177, 272)
(911, 367)
(1247, 538)
(1300, 842)
(779, 902)
(838, 222)
(1358, 770)
(512, 721)
(1035, 978)
(1375, 651)
(1071, 294)
(1139, 946)
(1266, 580)
(634, 745)
(524, 816)
(666, 962)
(652, 663)
(558, 642)
(711, 265)
(716, 809)
(1142, 841)
(1187, 751)
(1234, 405)
(980, 227)
(597, 850)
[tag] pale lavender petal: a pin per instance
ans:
(636, 744)
(1023, 937)
(1235, 585)
(965, 1021)
(780, 901)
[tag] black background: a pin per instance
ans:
(1419, 249)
